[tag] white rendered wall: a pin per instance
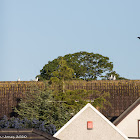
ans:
(77, 129)
(129, 125)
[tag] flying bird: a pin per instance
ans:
(138, 37)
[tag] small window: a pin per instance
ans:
(89, 125)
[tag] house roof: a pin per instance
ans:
(122, 94)
(27, 134)
(127, 111)
(96, 111)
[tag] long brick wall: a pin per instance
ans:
(122, 93)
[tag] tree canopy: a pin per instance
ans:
(40, 104)
(63, 71)
(55, 107)
(61, 74)
(87, 66)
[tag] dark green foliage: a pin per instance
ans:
(40, 104)
(87, 66)
(61, 74)
(63, 71)
(55, 107)
(75, 100)
(36, 104)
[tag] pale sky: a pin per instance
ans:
(33, 32)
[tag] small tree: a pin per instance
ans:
(36, 104)
(62, 73)
(41, 105)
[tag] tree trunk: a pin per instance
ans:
(63, 85)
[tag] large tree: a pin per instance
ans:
(87, 66)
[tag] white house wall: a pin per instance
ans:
(129, 125)
(77, 129)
